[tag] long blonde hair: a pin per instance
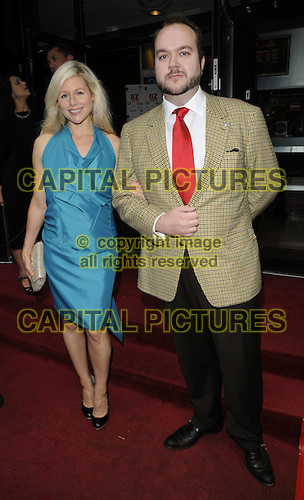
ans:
(54, 119)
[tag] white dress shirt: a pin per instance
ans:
(195, 120)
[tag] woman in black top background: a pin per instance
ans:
(18, 130)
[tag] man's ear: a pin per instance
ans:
(70, 57)
(203, 63)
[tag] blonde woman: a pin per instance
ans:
(75, 157)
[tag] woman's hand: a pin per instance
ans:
(138, 191)
(27, 261)
(1, 198)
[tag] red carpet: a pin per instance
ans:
(50, 451)
(300, 474)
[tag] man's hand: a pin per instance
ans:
(180, 221)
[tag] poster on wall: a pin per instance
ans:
(272, 56)
(141, 98)
(149, 76)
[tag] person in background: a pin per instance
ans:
(57, 55)
(18, 130)
(181, 152)
(75, 152)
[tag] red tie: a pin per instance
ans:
(182, 157)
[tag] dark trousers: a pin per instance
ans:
(210, 359)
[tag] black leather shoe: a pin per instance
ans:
(185, 437)
(88, 412)
(100, 422)
(258, 464)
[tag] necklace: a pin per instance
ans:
(23, 116)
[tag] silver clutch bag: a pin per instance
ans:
(39, 277)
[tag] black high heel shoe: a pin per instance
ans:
(100, 422)
(28, 289)
(88, 412)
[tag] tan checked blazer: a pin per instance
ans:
(238, 147)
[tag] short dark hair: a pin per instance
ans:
(180, 18)
(66, 50)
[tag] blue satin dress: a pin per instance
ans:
(79, 231)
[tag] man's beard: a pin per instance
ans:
(193, 82)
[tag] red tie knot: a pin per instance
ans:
(181, 112)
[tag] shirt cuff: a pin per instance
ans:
(161, 235)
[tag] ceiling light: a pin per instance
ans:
(153, 7)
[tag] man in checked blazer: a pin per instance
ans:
(204, 262)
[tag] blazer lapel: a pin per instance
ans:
(156, 140)
(217, 127)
